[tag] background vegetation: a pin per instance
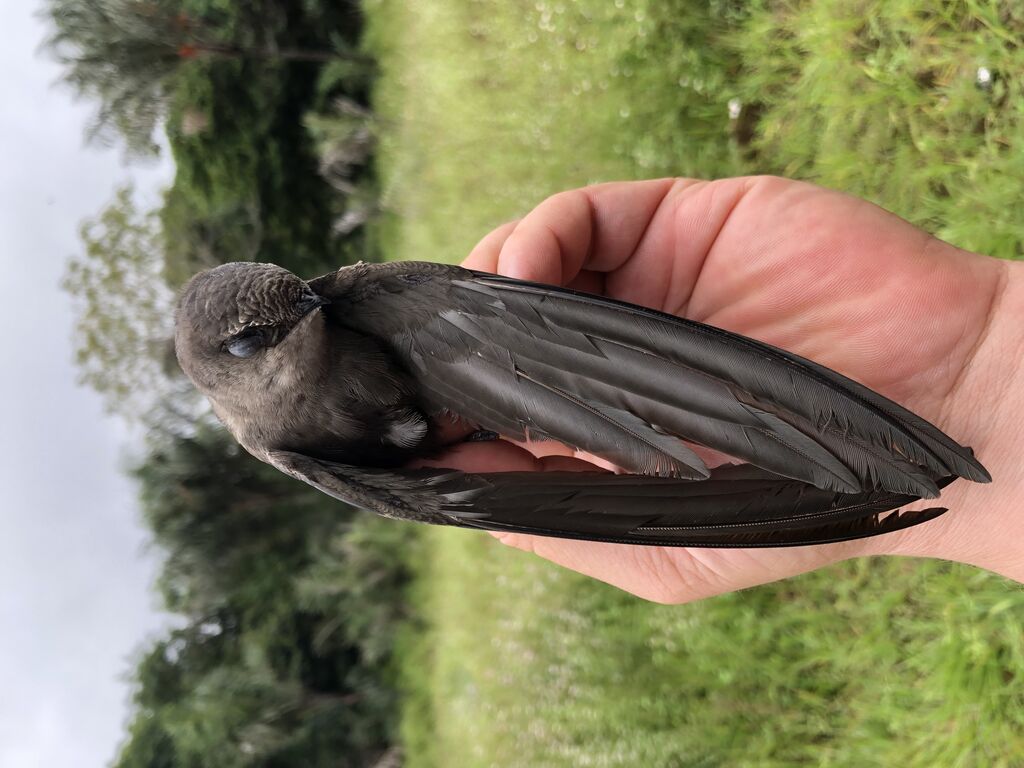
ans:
(491, 106)
(290, 602)
(302, 646)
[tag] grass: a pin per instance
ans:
(490, 106)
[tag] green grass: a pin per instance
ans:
(490, 106)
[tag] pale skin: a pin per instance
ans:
(821, 274)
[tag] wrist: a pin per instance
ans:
(984, 409)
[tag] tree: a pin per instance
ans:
(246, 186)
(121, 54)
(233, 711)
(125, 313)
(260, 676)
(126, 53)
(233, 528)
(346, 141)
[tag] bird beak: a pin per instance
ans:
(309, 302)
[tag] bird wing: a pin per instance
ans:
(625, 382)
(736, 506)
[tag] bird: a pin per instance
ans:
(344, 381)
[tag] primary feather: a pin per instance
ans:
(737, 506)
(613, 379)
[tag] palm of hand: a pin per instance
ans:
(818, 273)
(844, 283)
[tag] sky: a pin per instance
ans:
(76, 597)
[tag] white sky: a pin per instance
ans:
(75, 578)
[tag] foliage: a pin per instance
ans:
(288, 601)
(127, 54)
(123, 54)
(487, 107)
(123, 333)
(294, 609)
(346, 139)
(224, 520)
(277, 664)
(853, 666)
(246, 186)
(910, 104)
(357, 578)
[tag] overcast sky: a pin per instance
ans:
(75, 577)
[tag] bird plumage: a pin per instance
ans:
(395, 347)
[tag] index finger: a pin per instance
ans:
(595, 228)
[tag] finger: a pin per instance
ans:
(484, 255)
(493, 456)
(540, 448)
(543, 449)
(595, 227)
(664, 267)
(502, 456)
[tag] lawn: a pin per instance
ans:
(486, 107)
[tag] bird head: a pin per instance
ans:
(235, 322)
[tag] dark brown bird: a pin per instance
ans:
(343, 380)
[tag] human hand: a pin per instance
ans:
(818, 273)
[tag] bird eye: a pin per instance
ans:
(245, 344)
